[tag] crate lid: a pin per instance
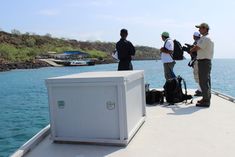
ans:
(101, 76)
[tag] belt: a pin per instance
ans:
(125, 61)
(204, 59)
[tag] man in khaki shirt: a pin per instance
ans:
(205, 51)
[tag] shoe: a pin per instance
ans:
(200, 101)
(203, 103)
(198, 93)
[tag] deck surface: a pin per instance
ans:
(181, 130)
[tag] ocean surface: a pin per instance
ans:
(24, 104)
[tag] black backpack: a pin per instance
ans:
(178, 53)
(173, 90)
(154, 97)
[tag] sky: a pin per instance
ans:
(145, 20)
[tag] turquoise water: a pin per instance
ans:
(23, 94)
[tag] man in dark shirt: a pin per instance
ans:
(125, 51)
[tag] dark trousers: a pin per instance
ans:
(124, 65)
(204, 74)
(168, 70)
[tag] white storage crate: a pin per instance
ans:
(98, 107)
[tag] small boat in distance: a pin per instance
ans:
(82, 62)
(77, 62)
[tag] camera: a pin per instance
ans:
(187, 47)
(193, 55)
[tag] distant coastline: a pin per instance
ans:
(7, 66)
(34, 64)
(37, 63)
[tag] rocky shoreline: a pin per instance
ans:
(6, 66)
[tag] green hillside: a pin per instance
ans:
(17, 47)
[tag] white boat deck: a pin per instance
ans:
(180, 130)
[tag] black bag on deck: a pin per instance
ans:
(173, 90)
(154, 97)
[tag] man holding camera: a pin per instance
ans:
(166, 56)
(205, 50)
(193, 62)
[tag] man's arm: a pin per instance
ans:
(169, 48)
(194, 49)
(164, 50)
(132, 49)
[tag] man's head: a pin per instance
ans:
(203, 28)
(165, 35)
(123, 33)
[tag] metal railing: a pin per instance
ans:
(224, 96)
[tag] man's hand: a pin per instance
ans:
(162, 49)
(194, 49)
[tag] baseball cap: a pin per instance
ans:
(205, 25)
(196, 34)
(165, 34)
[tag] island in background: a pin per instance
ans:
(27, 50)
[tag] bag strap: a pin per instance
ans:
(165, 43)
(185, 87)
(186, 94)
